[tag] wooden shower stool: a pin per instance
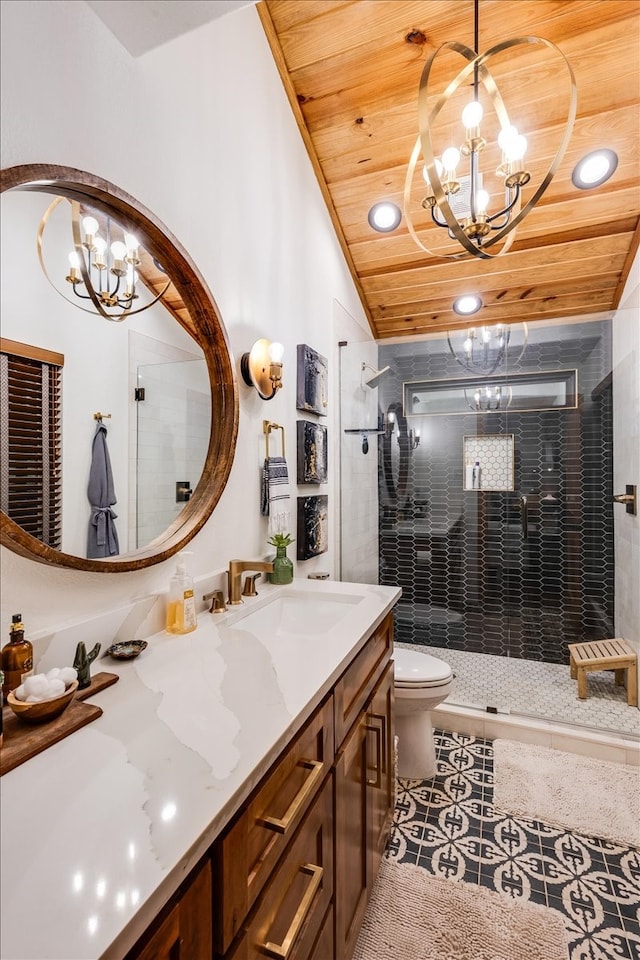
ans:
(614, 655)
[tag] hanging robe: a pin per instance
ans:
(102, 540)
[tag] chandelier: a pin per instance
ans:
(472, 210)
(487, 399)
(102, 270)
(483, 349)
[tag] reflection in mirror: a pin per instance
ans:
(152, 443)
(520, 392)
(157, 370)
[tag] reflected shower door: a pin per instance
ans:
(172, 438)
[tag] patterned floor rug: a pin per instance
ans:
(417, 917)
(596, 798)
(448, 827)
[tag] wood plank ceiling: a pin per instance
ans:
(352, 70)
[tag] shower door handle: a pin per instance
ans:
(524, 517)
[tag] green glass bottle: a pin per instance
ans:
(282, 567)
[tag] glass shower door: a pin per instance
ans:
(173, 415)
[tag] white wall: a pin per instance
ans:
(201, 132)
(626, 455)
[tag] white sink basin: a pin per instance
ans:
(299, 614)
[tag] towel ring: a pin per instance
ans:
(267, 427)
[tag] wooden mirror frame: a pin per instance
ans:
(205, 327)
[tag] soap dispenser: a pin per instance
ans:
(17, 657)
(181, 602)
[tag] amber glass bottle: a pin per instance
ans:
(17, 656)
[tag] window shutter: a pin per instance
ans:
(31, 444)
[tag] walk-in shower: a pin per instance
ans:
(490, 502)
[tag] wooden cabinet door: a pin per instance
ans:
(380, 768)
(185, 933)
(291, 911)
(353, 870)
(165, 942)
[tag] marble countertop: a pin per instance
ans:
(100, 829)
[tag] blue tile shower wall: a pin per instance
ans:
(470, 580)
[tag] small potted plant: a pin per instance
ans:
(282, 565)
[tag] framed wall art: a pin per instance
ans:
(312, 452)
(313, 526)
(312, 392)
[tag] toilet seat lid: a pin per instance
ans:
(419, 669)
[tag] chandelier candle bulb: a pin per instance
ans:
(99, 246)
(90, 227)
(118, 252)
(131, 244)
(74, 268)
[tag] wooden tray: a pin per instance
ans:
(22, 741)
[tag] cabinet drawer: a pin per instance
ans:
(247, 853)
(355, 686)
(290, 919)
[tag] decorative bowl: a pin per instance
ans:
(43, 710)
(127, 649)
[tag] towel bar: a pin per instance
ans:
(267, 427)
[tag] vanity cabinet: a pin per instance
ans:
(291, 914)
(365, 785)
(246, 854)
(291, 874)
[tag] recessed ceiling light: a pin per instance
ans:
(384, 216)
(467, 305)
(594, 169)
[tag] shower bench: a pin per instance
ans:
(614, 655)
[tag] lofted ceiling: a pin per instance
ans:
(352, 70)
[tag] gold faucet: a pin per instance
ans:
(236, 569)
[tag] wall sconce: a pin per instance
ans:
(390, 424)
(414, 439)
(262, 368)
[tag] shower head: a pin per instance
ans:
(378, 375)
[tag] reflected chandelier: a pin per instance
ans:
(485, 348)
(489, 399)
(461, 204)
(102, 270)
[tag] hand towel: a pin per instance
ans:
(275, 494)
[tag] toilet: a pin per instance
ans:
(421, 683)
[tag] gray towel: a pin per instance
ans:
(274, 501)
(102, 538)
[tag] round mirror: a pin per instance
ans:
(133, 395)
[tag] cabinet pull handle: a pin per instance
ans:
(383, 727)
(377, 783)
(282, 950)
(282, 825)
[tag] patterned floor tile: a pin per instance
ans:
(448, 826)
